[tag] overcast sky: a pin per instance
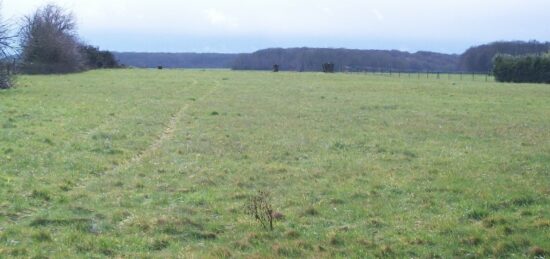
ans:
(449, 26)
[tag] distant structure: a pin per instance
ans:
(160, 67)
(275, 68)
(328, 68)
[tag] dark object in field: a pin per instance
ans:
(328, 68)
(259, 207)
(160, 67)
(275, 68)
(278, 215)
(6, 74)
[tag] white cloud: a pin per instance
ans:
(350, 22)
(378, 15)
(218, 18)
(328, 11)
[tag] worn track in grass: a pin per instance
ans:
(166, 134)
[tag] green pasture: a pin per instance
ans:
(161, 163)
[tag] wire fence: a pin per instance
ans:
(472, 76)
(423, 74)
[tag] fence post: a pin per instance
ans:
(437, 75)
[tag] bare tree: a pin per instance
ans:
(49, 42)
(6, 41)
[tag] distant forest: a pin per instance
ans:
(310, 59)
(175, 60)
(475, 59)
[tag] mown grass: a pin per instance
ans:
(144, 163)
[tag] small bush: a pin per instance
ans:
(6, 78)
(259, 207)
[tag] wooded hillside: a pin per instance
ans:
(311, 59)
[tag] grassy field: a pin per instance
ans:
(147, 163)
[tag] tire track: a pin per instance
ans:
(166, 134)
(90, 132)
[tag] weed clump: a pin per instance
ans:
(48, 141)
(159, 244)
(285, 250)
(493, 221)
(40, 195)
(477, 214)
(537, 251)
(336, 240)
(472, 241)
(311, 212)
(204, 235)
(292, 234)
(259, 207)
(386, 251)
(221, 252)
(242, 245)
(42, 236)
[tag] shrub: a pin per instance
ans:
(49, 42)
(259, 207)
(6, 75)
(96, 58)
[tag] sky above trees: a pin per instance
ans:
(449, 26)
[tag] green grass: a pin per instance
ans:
(146, 163)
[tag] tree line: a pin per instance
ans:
(47, 42)
(522, 69)
(176, 60)
(475, 59)
(311, 59)
(480, 58)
